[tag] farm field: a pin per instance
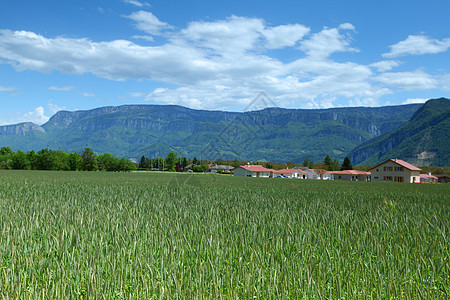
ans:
(153, 235)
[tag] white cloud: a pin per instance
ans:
(418, 45)
(232, 36)
(415, 100)
(61, 89)
(54, 108)
(137, 3)
(322, 44)
(417, 80)
(220, 64)
(37, 116)
(85, 94)
(284, 35)
(385, 65)
(149, 23)
(7, 89)
(143, 37)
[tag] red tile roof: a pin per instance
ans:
(289, 171)
(349, 172)
(426, 176)
(400, 163)
(255, 168)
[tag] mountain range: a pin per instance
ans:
(422, 141)
(271, 134)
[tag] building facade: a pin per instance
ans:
(395, 170)
(252, 171)
(351, 175)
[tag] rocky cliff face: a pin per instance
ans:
(269, 134)
(20, 129)
(422, 140)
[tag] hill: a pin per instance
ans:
(271, 134)
(423, 140)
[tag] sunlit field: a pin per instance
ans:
(152, 235)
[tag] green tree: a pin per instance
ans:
(195, 161)
(75, 161)
(108, 162)
(171, 160)
(308, 163)
(347, 165)
(89, 161)
(7, 151)
(125, 165)
(45, 160)
(328, 162)
(235, 163)
(20, 161)
(335, 166)
(144, 163)
(268, 165)
(32, 158)
(60, 160)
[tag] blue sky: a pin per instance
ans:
(77, 55)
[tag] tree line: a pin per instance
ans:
(58, 160)
(329, 164)
(87, 160)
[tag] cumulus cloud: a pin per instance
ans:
(234, 35)
(37, 116)
(220, 64)
(148, 22)
(322, 44)
(385, 65)
(284, 35)
(408, 80)
(418, 45)
(53, 108)
(415, 100)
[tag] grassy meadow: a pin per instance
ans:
(98, 235)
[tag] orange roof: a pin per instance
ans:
(255, 168)
(349, 172)
(426, 176)
(289, 171)
(400, 163)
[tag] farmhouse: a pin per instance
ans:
(395, 170)
(428, 178)
(214, 168)
(352, 175)
(290, 173)
(252, 171)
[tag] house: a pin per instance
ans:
(290, 173)
(352, 175)
(308, 173)
(428, 178)
(395, 170)
(214, 168)
(252, 171)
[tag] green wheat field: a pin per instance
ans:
(98, 235)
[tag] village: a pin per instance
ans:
(392, 170)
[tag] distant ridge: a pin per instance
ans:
(272, 134)
(424, 140)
